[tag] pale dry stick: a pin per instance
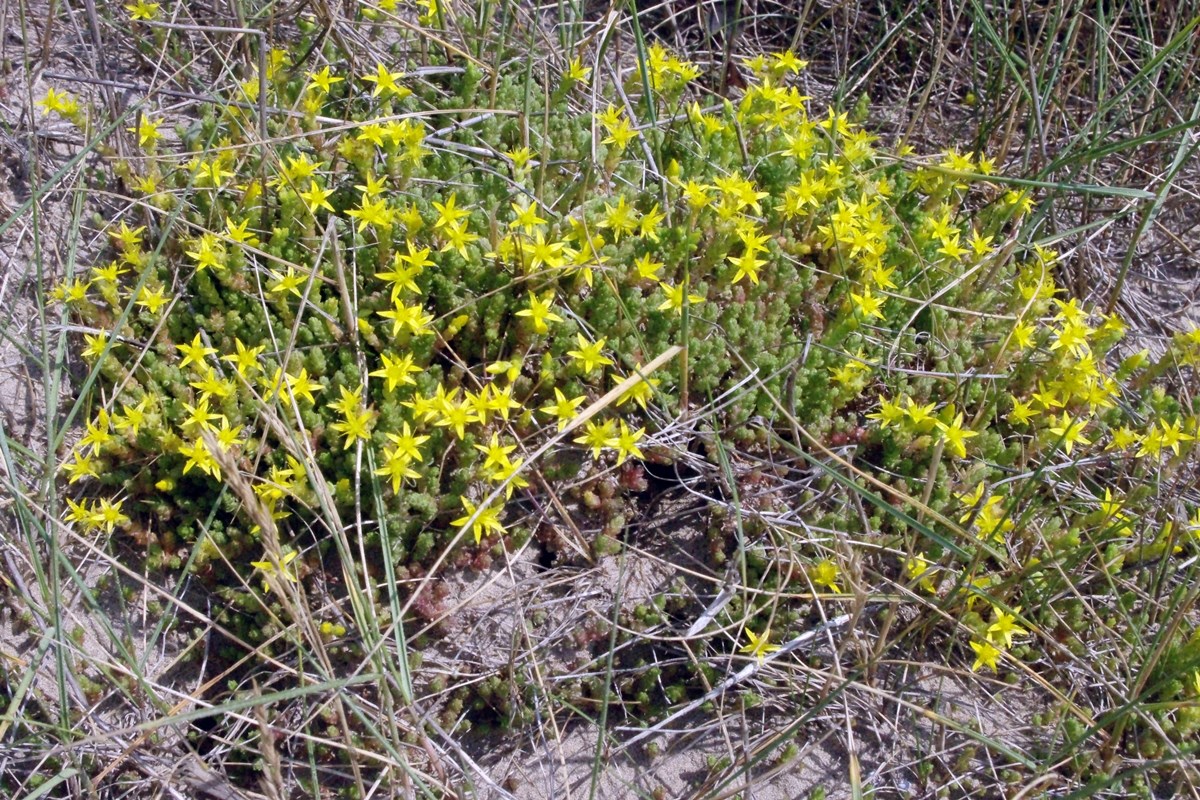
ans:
(451, 611)
(424, 32)
(745, 672)
(470, 762)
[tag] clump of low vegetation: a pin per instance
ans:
(389, 320)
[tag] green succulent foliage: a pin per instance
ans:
(391, 312)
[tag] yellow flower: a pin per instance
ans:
(108, 515)
(982, 245)
(152, 299)
(563, 409)
(397, 372)
(918, 415)
(486, 519)
(454, 414)
(758, 646)
(62, 102)
(889, 414)
(588, 355)
(95, 345)
(147, 131)
(1021, 412)
(526, 218)
(787, 61)
(1110, 506)
(81, 466)
(541, 253)
(496, 454)
(142, 10)
(73, 291)
(286, 283)
(355, 426)
(398, 467)
(371, 212)
(696, 195)
(539, 311)
(986, 655)
(317, 198)
(194, 353)
(385, 81)
(322, 80)
(1070, 432)
(620, 135)
(209, 253)
(414, 318)
(227, 436)
(199, 417)
(198, 457)
(576, 71)
(301, 387)
(1023, 333)
(449, 215)
(246, 359)
(1123, 438)
(647, 269)
(80, 514)
(626, 443)
(620, 219)
(640, 392)
(98, 433)
(407, 444)
(510, 473)
(1004, 627)
(881, 276)
(237, 231)
(867, 304)
(521, 156)
(598, 436)
(675, 298)
(457, 238)
(1164, 437)
(955, 435)
(431, 9)
(211, 172)
(747, 266)
(825, 573)
(919, 569)
(269, 567)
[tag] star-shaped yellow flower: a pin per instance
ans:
(385, 81)
(758, 646)
(269, 567)
(322, 80)
(588, 356)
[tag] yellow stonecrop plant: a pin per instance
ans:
(438, 303)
